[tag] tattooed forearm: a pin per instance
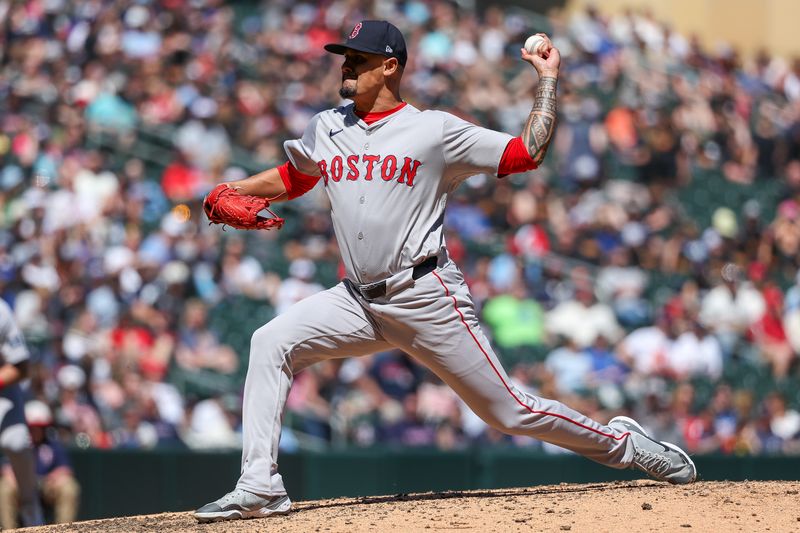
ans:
(542, 121)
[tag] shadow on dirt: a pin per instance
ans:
(428, 496)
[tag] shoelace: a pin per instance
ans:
(227, 498)
(654, 463)
(241, 497)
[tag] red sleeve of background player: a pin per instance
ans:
(296, 183)
(515, 159)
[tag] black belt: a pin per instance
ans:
(376, 290)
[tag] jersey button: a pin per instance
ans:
(361, 200)
(360, 235)
(366, 146)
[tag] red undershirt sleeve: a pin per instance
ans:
(296, 183)
(515, 159)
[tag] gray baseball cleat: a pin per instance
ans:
(240, 504)
(661, 460)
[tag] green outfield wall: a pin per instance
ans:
(120, 482)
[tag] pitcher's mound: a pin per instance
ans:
(623, 506)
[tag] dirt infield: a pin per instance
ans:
(623, 506)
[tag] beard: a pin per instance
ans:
(347, 91)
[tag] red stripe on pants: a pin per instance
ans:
(489, 359)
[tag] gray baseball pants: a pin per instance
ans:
(434, 321)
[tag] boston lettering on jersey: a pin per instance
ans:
(366, 166)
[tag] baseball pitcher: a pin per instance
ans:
(388, 169)
(15, 439)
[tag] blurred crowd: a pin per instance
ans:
(665, 222)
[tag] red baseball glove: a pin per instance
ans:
(225, 206)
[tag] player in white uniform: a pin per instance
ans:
(15, 439)
(388, 169)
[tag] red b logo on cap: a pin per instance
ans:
(355, 31)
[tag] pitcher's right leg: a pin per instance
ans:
(458, 351)
(327, 325)
(439, 316)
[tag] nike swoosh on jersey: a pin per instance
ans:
(332, 133)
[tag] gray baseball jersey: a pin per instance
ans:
(388, 184)
(388, 181)
(12, 343)
(14, 351)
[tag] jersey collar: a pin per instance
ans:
(384, 116)
(371, 118)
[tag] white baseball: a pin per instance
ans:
(536, 44)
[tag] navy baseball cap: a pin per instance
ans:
(375, 37)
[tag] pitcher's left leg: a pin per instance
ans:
(438, 314)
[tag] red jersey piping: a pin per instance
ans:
(370, 117)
